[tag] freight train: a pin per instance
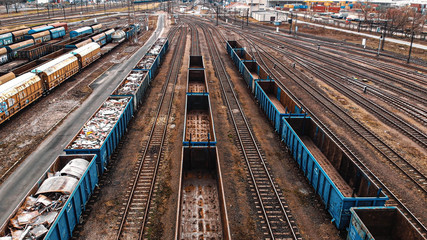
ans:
(349, 195)
(71, 179)
(19, 35)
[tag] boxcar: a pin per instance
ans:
(3, 55)
(58, 70)
(13, 48)
(68, 184)
(369, 223)
(57, 25)
(199, 127)
(57, 32)
(80, 31)
(87, 54)
(115, 114)
(339, 182)
(39, 29)
(96, 28)
(39, 37)
(7, 77)
(17, 93)
(18, 35)
(109, 34)
(100, 39)
(135, 84)
(275, 102)
(6, 39)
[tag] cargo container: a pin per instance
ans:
(339, 182)
(201, 191)
(199, 127)
(101, 134)
(4, 57)
(57, 32)
(13, 48)
(34, 52)
(6, 39)
(275, 102)
(109, 34)
(39, 29)
(96, 28)
(7, 77)
(80, 31)
(135, 84)
(370, 223)
(79, 43)
(17, 93)
(18, 35)
(100, 39)
(252, 72)
(196, 62)
(39, 37)
(87, 54)
(196, 83)
(57, 25)
(58, 70)
(60, 195)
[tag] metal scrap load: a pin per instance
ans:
(146, 62)
(133, 81)
(155, 49)
(96, 130)
(37, 214)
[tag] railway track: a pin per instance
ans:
(277, 221)
(195, 42)
(136, 212)
(407, 170)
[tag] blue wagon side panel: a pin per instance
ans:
(111, 141)
(366, 192)
(6, 39)
(57, 32)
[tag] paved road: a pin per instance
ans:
(388, 39)
(21, 180)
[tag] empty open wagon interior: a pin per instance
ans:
(386, 223)
(198, 126)
(201, 212)
(333, 160)
(196, 62)
(279, 98)
(256, 71)
(196, 81)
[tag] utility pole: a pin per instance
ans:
(48, 12)
(217, 13)
(63, 10)
(247, 17)
(290, 26)
(384, 34)
(412, 38)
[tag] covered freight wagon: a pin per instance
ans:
(80, 31)
(87, 54)
(7, 77)
(109, 34)
(135, 84)
(18, 35)
(40, 37)
(17, 93)
(96, 28)
(57, 32)
(100, 39)
(39, 29)
(58, 70)
(58, 198)
(339, 182)
(4, 58)
(6, 39)
(57, 25)
(101, 134)
(13, 48)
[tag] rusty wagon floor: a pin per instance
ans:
(201, 217)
